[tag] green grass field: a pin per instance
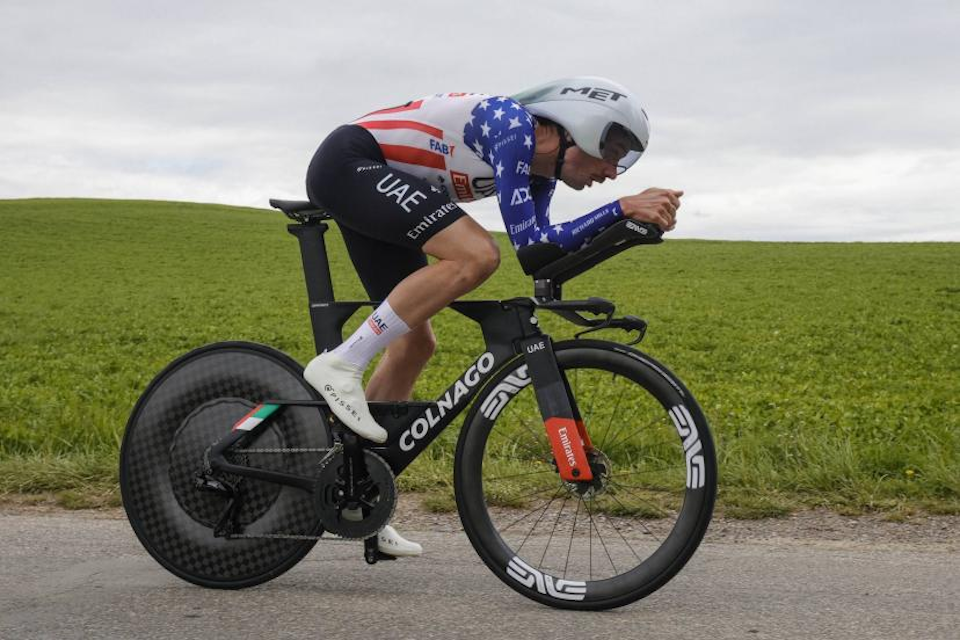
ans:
(829, 372)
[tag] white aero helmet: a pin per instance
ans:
(604, 118)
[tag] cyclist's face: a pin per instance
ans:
(582, 170)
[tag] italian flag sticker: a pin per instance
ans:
(259, 413)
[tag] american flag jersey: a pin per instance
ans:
(474, 146)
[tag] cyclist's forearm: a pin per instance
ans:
(571, 235)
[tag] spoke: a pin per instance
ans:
(529, 513)
(654, 470)
(535, 451)
(572, 531)
(542, 513)
(655, 506)
(555, 523)
(517, 475)
(590, 539)
(533, 434)
(616, 572)
(641, 524)
(617, 438)
(606, 431)
(593, 400)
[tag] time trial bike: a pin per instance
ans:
(584, 473)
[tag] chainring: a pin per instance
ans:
(378, 498)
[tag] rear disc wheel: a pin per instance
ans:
(186, 409)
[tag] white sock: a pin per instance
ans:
(380, 329)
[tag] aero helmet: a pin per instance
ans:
(604, 118)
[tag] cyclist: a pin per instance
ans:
(392, 178)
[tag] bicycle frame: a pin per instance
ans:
(510, 329)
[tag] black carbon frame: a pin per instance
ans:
(509, 327)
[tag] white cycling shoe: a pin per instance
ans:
(392, 543)
(340, 384)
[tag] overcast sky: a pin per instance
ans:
(781, 120)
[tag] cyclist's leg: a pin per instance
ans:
(349, 175)
(405, 357)
(389, 219)
(401, 365)
(466, 256)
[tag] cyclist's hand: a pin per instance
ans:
(658, 206)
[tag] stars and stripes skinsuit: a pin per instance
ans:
(392, 178)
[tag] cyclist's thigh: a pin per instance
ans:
(464, 238)
(380, 265)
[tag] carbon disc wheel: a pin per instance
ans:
(188, 407)
(597, 544)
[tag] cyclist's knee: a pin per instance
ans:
(480, 262)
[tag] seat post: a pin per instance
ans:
(327, 327)
(316, 267)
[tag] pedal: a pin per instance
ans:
(372, 553)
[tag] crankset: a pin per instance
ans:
(355, 494)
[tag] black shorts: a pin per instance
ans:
(385, 215)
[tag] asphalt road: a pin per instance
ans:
(66, 576)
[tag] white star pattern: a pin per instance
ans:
(492, 136)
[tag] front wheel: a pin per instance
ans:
(598, 544)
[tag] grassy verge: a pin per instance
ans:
(829, 372)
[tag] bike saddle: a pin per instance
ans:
(300, 210)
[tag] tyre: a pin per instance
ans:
(588, 545)
(188, 407)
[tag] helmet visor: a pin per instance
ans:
(620, 146)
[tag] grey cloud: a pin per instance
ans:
(762, 110)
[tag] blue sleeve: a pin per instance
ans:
(502, 130)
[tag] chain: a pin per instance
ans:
(293, 536)
(286, 450)
(331, 452)
(275, 536)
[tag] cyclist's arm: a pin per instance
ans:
(509, 148)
